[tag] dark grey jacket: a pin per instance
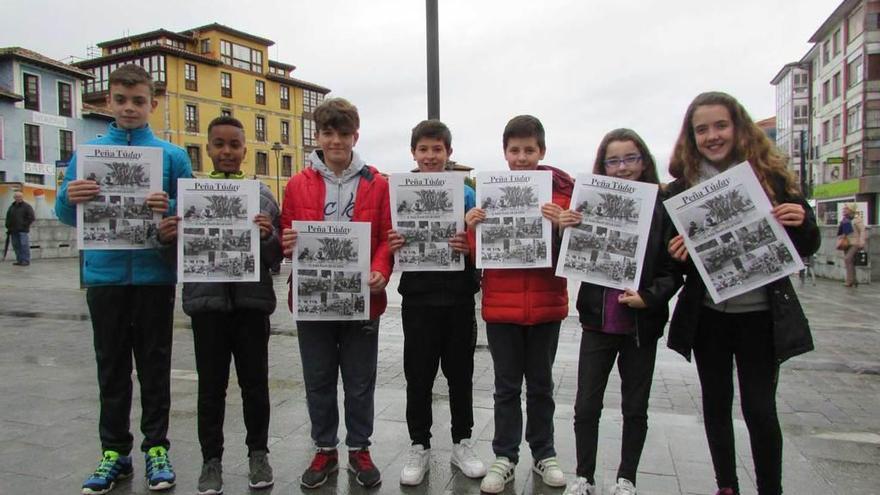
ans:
(19, 217)
(225, 297)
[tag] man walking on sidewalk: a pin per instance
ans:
(19, 218)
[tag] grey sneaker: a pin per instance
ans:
(624, 487)
(260, 471)
(211, 479)
(581, 487)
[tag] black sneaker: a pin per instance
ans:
(361, 464)
(325, 463)
(211, 479)
(260, 475)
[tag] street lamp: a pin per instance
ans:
(277, 148)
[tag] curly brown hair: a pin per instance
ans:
(650, 173)
(751, 144)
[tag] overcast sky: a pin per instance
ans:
(582, 67)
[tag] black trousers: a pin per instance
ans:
(746, 338)
(132, 320)
(444, 337)
(218, 338)
(636, 366)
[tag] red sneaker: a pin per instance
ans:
(325, 463)
(361, 464)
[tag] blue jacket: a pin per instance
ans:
(129, 267)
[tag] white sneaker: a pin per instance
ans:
(581, 487)
(624, 487)
(500, 472)
(416, 465)
(464, 458)
(550, 472)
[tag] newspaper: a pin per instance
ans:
(514, 234)
(331, 266)
(118, 217)
(608, 247)
(427, 210)
(218, 241)
(731, 235)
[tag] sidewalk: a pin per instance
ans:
(829, 403)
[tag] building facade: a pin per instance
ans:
(42, 120)
(793, 116)
(215, 70)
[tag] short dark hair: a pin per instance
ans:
(338, 114)
(650, 173)
(225, 120)
(431, 129)
(130, 75)
(524, 126)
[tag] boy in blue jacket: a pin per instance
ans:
(130, 294)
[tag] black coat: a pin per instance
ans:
(660, 279)
(19, 217)
(791, 330)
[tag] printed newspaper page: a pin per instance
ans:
(608, 247)
(731, 235)
(427, 210)
(218, 240)
(331, 267)
(514, 234)
(118, 217)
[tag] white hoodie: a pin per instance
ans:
(342, 189)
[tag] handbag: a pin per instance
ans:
(861, 258)
(843, 243)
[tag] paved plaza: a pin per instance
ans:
(829, 403)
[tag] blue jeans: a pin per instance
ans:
(326, 349)
(22, 246)
(520, 351)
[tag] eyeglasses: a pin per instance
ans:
(619, 162)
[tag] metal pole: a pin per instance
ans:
(433, 37)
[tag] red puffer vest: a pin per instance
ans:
(528, 296)
(304, 200)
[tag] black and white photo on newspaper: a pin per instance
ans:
(427, 209)
(608, 247)
(118, 217)
(514, 233)
(331, 271)
(731, 235)
(218, 240)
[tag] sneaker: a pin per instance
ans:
(550, 472)
(325, 463)
(111, 468)
(624, 487)
(159, 473)
(727, 491)
(464, 458)
(361, 464)
(416, 465)
(581, 487)
(211, 479)
(260, 475)
(500, 472)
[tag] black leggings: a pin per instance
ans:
(747, 338)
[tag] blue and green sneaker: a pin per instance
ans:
(112, 468)
(159, 473)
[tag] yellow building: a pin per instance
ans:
(215, 70)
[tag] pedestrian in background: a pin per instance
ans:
(19, 218)
(850, 239)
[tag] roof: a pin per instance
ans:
(9, 95)
(15, 52)
(784, 70)
(226, 29)
(838, 15)
(281, 65)
(146, 36)
(767, 123)
(296, 82)
(90, 110)
(131, 54)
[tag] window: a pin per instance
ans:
(260, 134)
(65, 100)
(35, 178)
(855, 24)
(65, 144)
(195, 156)
(286, 165)
(2, 176)
(854, 118)
(855, 71)
(826, 92)
(285, 97)
(835, 127)
(826, 52)
(872, 21)
(226, 112)
(32, 151)
(836, 40)
(241, 57)
(801, 115)
(191, 118)
(836, 84)
(226, 84)
(260, 89)
(32, 92)
(175, 44)
(309, 133)
(154, 64)
(2, 131)
(285, 132)
(872, 113)
(190, 75)
(825, 134)
(311, 99)
(262, 166)
(205, 46)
